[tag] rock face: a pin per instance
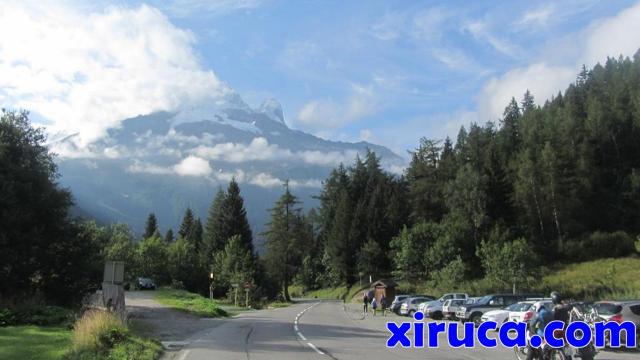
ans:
(166, 161)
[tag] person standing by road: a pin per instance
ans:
(374, 306)
(365, 304)
(383, 305)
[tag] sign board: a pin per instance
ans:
(114, 272)
(235, 285)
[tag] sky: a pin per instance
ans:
(388, 72)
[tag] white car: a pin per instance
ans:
(522, 311)
(501, 316)
(450, 307)
(433, 309)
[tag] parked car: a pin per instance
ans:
(397, 302)
(410, 305)
(524, 311)
(450, 307)
(145, 284)
(473, 312)
(619, 311)
(433, 309)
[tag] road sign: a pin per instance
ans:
(114, 272)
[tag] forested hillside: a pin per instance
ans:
(547, 183)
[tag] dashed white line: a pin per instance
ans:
(297, 330)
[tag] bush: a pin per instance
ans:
(29, 314)
(101, 335)
(600, 245)
(97, 332)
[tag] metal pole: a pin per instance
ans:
(246, 298)
(236, 297)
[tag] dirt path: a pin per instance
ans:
(156, 320)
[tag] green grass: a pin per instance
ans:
(34, 342)
(599, 279)
(592, 280)
(190, 303)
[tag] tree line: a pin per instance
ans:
(550, 183)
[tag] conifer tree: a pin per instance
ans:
(234, 217)
(151, 226)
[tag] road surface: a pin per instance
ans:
(319, 330)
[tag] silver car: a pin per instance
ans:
(410, 306)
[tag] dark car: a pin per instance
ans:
(397, 302)
(145, 284)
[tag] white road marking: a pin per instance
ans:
(297, 330)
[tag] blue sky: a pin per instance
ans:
(384, 71)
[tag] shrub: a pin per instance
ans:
(32, 314)
(97, 332)
(599, 245)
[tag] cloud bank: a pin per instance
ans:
(85, 72)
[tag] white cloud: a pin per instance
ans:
(185, 8)
(328, 114)
(145, 168)
(87, 71)
(537, 17)
(259, 149)
(193, 166)
(479, 30)
(541, 79)
(613, 36)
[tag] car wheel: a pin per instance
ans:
(476, 319)
(411, 312)
(437, 315)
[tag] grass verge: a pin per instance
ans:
(34, 342)
(100, 335)
(190, 303)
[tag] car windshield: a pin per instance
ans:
(608, 309)
(485, 299)
(519, 307)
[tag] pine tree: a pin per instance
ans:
(528, 102)
(213, 240)
(235, 217)
(187, 224)
(340, 254)
(287, 235)
(168, 236)
(151, 226)
(196, 235)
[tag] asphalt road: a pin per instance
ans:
(320, 330)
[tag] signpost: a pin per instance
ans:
(247, 288)
(113, 287)
(235, 287)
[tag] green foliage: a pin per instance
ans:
(637, 244)
(234, 217)
(101, 335)
(508, 262)
(189, 302)
(34, 342)
(35, 314)
(151, 226)
(287, 235)
(233, 265)
(212, 238)
(183, 265)
(408, 251)
(599, 245)
(452, 275)
(152, 257)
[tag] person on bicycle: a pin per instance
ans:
(541, 317)
(560, 309)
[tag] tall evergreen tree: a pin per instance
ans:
(168, 236)
(213, 239)
(187, 224)
(235, 217)
(287, 235)
(151, 226)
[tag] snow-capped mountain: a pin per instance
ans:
(166, 161)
